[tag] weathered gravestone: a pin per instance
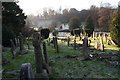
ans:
(89, 41)
(28, 45)
(22, 51)
(74, 44)
(105, 38)
(26, 72)
(99, 46)
(21, 42)
(13, 49)
(46, 58)
(101, 40)
(96, 45)
(16, 42)
(55, 43)
(68, 41)
(45, 52)
(85, 48)
(40, 72)
(38, 53)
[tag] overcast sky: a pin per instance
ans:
(36, 6)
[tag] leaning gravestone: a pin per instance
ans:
(96, 45)
(22, 51)
(46, 58)
(13, 51)
(21, 42)
(45, 52)
(101, 47)
(56, 44)
(85, 48)
(40, 73)
(38, 52)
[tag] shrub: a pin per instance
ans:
(45, 33)
(115, 28)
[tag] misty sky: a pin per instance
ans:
(37, 6)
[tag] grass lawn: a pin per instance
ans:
(63, 67)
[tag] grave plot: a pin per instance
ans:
(68, 63)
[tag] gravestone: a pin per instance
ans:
(46, 65)
(22, 51)
(68, 41)
(16, 42)
(38, 52)
(56, 44)
(105, 38)
(101, 40)
(101, 47)
(13, 51)
(45, 52)
(40, 72)
(85, 48)
(74, 47)
(89, 41)
(21, 42)
(96, 45)
(26, 72)
(28, 45)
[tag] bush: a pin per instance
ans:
(72, 33)
(45, 33)
(7, 35)
(89, 27)
(115, 29)
(74, 23)
(75, 32)
(12, 23)
(89, 32)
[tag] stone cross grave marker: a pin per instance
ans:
(38, 52)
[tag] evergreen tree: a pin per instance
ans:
(74, 23)
(13, 20)
(115, 29)
(89, 27)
